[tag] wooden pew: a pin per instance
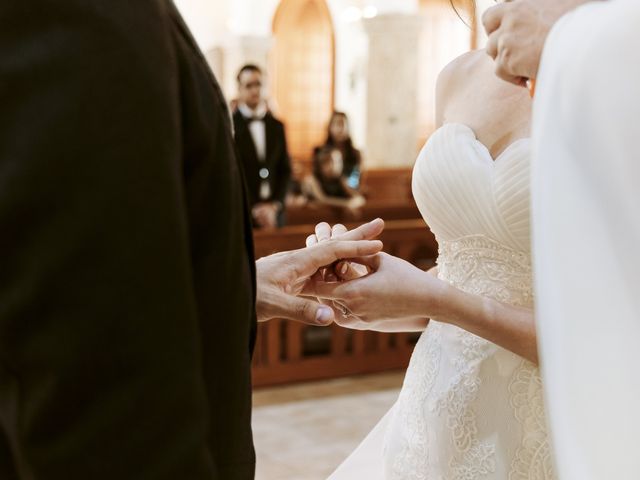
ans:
(312, 214)
(289, 352)
(387, 185)
(388, 194)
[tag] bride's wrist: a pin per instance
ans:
(434, 295)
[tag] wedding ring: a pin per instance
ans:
(344, 310)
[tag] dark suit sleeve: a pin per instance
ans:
(283, 169)
(100, 361)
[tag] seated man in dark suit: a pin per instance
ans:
(262, 147)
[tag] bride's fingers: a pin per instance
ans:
(323, 232)
(350, 271)
(327, 291)
(369, 262)
(311, 240)
(337, 230)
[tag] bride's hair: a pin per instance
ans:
(469, 7)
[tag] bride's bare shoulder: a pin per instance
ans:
(456, 75)
(466, 63)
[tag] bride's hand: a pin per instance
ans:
(282, 279)
(325, 232)
(396, 296)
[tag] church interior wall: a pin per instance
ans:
(232, 33)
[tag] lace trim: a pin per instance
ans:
(474, 458)
(412, 461)
(533, 459)
(480, 265)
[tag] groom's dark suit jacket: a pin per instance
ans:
(127, 277)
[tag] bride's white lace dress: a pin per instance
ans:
(468, 409)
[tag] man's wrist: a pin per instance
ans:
(266, 304)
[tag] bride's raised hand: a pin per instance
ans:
(283, 277)
(395, 296)
(325, 232)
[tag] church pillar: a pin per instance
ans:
(215, 59)
(392, 96)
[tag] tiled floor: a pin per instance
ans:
(304, 432)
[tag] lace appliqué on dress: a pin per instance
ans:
(481, 266)
(412, 461)
(533, 459)
(474, 458)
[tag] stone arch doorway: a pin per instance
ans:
(303, 66)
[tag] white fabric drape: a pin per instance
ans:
(586, 230)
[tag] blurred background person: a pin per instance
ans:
(262, 149)
(339, 138)
(328, 185)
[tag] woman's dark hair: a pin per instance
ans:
(250, 67)
(350, 154)
(321, 155)
(330, 140)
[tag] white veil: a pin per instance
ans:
(586, 234)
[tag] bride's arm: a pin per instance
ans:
(505, 325)
(396, 290)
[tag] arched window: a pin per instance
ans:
(444, 37)
(303, 72)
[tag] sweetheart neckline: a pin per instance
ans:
(492, 159)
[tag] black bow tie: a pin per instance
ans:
(255, 119)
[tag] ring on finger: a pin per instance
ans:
(343, 309)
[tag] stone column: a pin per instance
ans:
(392, 91)
(239, 51)
(215, 59)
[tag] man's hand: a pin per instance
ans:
(283, 276)
(325, 232)
(517, 33)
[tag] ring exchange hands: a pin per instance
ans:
(395, 296)
(517, 33)
(387, 295)
(324, 232)
(282, 277)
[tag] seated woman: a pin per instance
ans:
(327, 185)
(339, 137)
